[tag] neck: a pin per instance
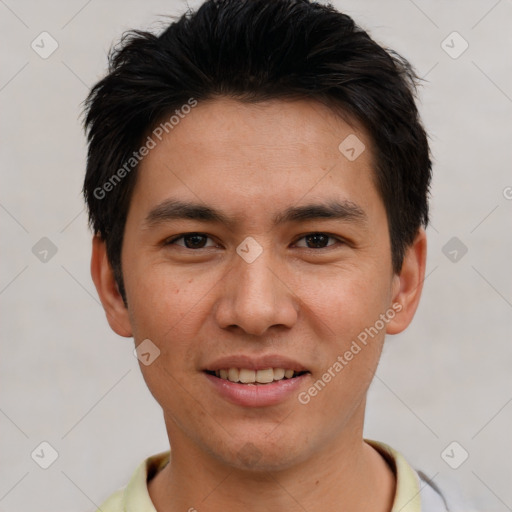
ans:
(348, 476)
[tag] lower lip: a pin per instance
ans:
(257, 395)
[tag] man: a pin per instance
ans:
(257, 182)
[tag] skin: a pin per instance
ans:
(306, 302)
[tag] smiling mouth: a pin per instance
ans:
(247, 376)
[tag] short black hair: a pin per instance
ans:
(255, 50)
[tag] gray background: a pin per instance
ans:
(68, 380)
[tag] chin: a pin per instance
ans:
(265, 455)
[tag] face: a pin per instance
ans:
(254, 243)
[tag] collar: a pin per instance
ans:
(135, 497)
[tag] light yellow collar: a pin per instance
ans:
(135, 497)
(407, 493)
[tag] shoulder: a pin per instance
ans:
(446, 489)
(418, 493)
(135, 495)
(114, 503)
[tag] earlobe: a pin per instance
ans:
(408, 284)
(106, 286)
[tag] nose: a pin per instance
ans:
(255, 297)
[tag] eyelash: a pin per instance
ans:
(185, 235)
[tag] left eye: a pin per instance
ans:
(316, 241)
(191, 241)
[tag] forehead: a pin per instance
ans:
(305, 127)
(239, 155)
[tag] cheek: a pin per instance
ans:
(161, 298)
(168, 310)
(170, 307)
(345, 302)
(351, 348)
(349, 309)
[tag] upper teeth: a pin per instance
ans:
(261, 376)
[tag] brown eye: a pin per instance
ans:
(316, 241)
(191, 241)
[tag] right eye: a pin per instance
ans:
(190, 241)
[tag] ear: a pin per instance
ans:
(103, 277)
(408, 284)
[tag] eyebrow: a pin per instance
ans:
(172, 209)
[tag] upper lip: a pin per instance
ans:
(255, 363)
